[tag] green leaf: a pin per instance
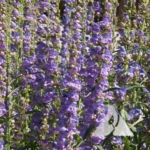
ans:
(13, 91)
(111, 89)
(88, 131)
(133, 128)
(124, 114)
(79, 143)
(30, 112)
(139, 120)
(126, 143)
(2, 121)
(136, 86)
(99, 147)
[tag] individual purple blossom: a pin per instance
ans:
(126, 16)
(134, 113)
(1, 60)
(108, 5)
(121, 32)
(122, 51)
(96, 6)
(76, 25)
(143, 146)
(132, 33)
(118, 68)
(142, 72)
(97, 139)
(130, 72)
(94, 38)
(120, 93)
(107, 55)
(51, 66)
(95, 27)
(106, 38)
(134, 65)
(73, 94)
(116, 140)
(3, 110)
(2, 47)
(77, 85)
(105, 21)
(1, 144)
(140, 32)
(148, 99)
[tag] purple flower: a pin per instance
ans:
(148, 99)
(134, 65)
(140, 33)
(108, 5)
(107, 55)
(76, 25)
(105, 21)
(94, 38)
(97, 139)
(73, 94)
(118, 68)
(64, 52)
(96, 6)
(121, 32)
(77, 35)
(3, 110)
(95, 27)
(135, 46)
(2, 47)
(116, 140)
(1, 144)
(126, 16)
(143, 146)
(130, 72)
(51, 66)
(133, 113)
(132, 33)
(142, 72)
(120, 93)
(52, 54)
(77, 86)
(122, 51)
(65, 19)
(106, 38)
(47, 97)
(1, 60)
(15, 12)
(36, 117)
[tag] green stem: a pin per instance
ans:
(7, 99)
